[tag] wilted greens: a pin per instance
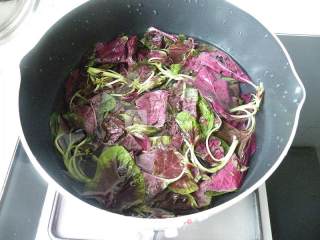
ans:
(157, 126)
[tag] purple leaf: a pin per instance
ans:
(113, 51)
(247, 144)
(130, 143)
(144, 142)
(114, 129)
(161, 163)
(178, 51)
(153, 30)
(214, 89)
(131, 49)
(215, 147)
(174, 97)
(218, 62)
(154, 185)
(227, 179)
(144, 71)
(145, 54)
(189, 101)
(71, 83)
(152, 107)
(88, 116)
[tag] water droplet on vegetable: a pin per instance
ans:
(87, 21)
(271, 75)
(40, 70)
(297, 90)
(224, 21)
(277, 137)
(155, 12)
(266, 35)
(274, 115)
(240, 33)
(285, 110)
(285, 92)
(128, 6)
(196, 1)
(230, 11)
(277, 85)
(137, 9)
(50, 58)
(284, 96)
(140, 4)
(288, 123)
(281, 139)
(295, 100)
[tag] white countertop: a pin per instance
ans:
(293, 17)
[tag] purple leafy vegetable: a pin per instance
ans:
(131, 49)
(154, 104)
(118, 183)
(161, 163)
(227, 179)
(168, 119)
(113, 51)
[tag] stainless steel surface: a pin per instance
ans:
(23, 196)
(249, 219)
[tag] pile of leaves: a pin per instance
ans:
(157, 126)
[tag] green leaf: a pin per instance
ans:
(142, 129)
(186, 122)
(206, 116)
(118, 174)
(160, 140)
(108, 103)
(55, 124)
(73, 119)
(182, 37)
(184, 185)
(191, 94)
(193, 203)
(175, 68)
(148, 84)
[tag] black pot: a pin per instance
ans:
(45, 68)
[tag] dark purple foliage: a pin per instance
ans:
(161, 163)
(154, 185)
(218, 62)
(113, 51)
(152, 107)
(227, 179)
(72, 83)
(179, 50)
(155, 32)
(131, 49)
(214, 89)
(174, 98)
(215, 147)
(189, 102)
(114, 128)
(88, 116)
(144, 142)
(130, 143)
